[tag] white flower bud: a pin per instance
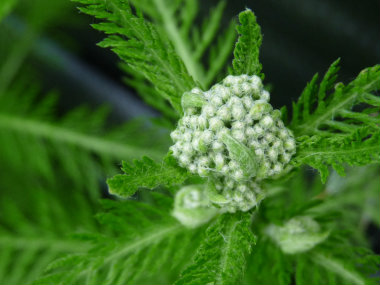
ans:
(192, 168)
(258, 130)
(266, 122)
(290, 144)
(248, 102)
(219, 161)
(238, 125)
(238, 175)
(265, 95)
(175, 135)
(239, 135)
(216, 124)
(224, 113)
(202, 122)
(238, 111)
(230, 79)
(216, 100)
(209, 110)
(217, 146)
(187, 148)
(236, 90)
(273, 154)
(184, 159)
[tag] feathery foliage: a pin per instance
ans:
(247, 48)
(193, 42)
(77, 142)
(137, 238)
(146, 174)
(221, 258)
(330, 108)
(338, 125)
(139, 43)
(47, 230)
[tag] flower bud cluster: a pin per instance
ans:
(232, 133)
(192, 206)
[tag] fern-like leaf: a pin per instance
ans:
(138, 241)
(359, 148)
(247, 48)
(330, 108)
(338, 125)
(193, 43)
(139, 43)
(221, 258)
(146, 174)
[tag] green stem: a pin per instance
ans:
(86, 141)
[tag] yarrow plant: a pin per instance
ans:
(232, 197)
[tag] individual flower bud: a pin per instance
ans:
(238, 125)
(229, 80)
(187, 136)
(238, 111)
(184, 159)
(290, 144)
(207, 136)
(259, 108)
(193, 168)
(238, 197)
(193, 99)
(272, 154)
(247, 102)
(259, 131)
(217, 146)
(239, 135)
(242, 188)
(202, 122)
(209, 111)
(216, 100)
(224, 113)
(216, 124)
(192, 206)
(219, 161)
(277, 168)
(266, 122)
(265, 95)
(187, 148)
(276, 114)
(175, 135)
(298, 235)
(236, 90)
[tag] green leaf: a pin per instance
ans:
(221, 258)
(330, 108)
(246, 53)
(141, 45)
(139, 243)
(146, 174)
(193, 42)
(360, 148)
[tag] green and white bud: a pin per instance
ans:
(192, 206)
(297, 235)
